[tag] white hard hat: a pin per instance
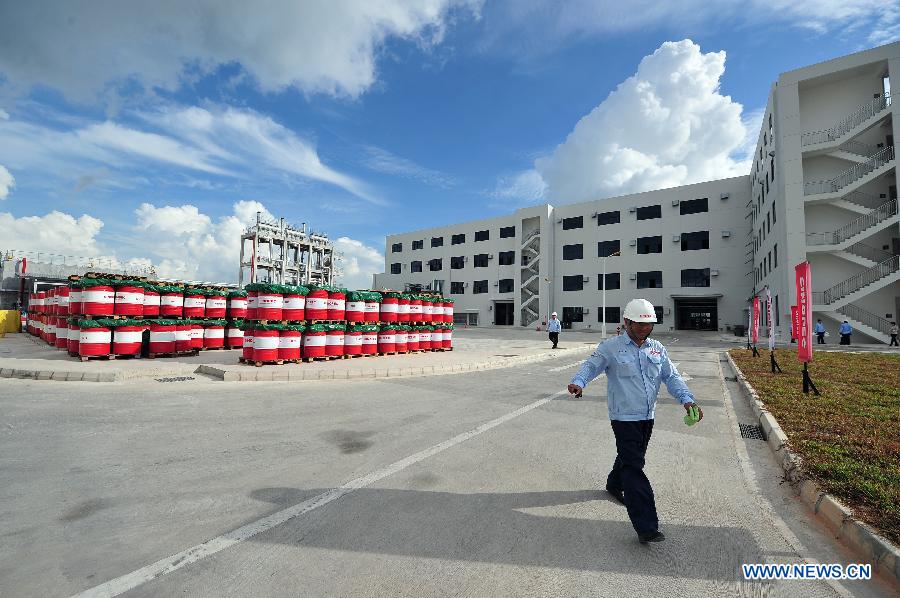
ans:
(640, 310)
(553, 314)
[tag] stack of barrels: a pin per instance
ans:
(112, 317)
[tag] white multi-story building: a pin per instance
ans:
(822, 188)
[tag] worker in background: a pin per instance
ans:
(894, 342)
(635, 365)
(845, 331)
(553, 328)
(820, 332)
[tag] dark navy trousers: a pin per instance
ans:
(628, 475)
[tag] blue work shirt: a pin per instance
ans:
(634, 375)
(845, 328)
(820, 327)
(554, 326)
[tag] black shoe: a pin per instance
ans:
(656, 536)
(616, 494)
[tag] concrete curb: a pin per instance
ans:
(280, 374)
(862, 539)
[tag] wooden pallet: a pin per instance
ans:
(387, 353)
(84, 358)
(260, 363)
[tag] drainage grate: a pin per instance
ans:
(175, 379)
(752, 432)
(731, 378)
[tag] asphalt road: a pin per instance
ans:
(478, 484)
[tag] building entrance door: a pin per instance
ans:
(696, 314)
(503, 313)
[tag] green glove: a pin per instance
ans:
(692, 417)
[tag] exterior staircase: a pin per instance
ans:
(868, 281)
(851, 179)
(530, 307)
(863, 321)
(863, 117)
(881, 217)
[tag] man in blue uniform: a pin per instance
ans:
(635, 367)
(554, 327)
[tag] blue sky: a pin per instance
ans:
(151, 133)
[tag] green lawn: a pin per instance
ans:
(849, 435)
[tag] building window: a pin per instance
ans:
(607, 248)
(694, 206)
(649, 212)
(572, 314)
(775, 256)
(659, 314)
(573, 252)
(608, 218)
(457, 262)
(396, 247)
(573, 222)
(695, 277)
(479, 287)
(437, 241)
(418, 244)
(612, 281)
(612, 315)
(507, 232)
(573, 283)
(777, 314)
(649, 280)
(507, 258)
(415, 266)
(395, 268)
(481, 260)
(695, 240)
(482, 235)
(506, 285)
(457, 288)
(458, 239)
(435, 264)
(773, 213)
(649, 244)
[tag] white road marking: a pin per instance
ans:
(684, 375)
(565, 367)
(120, 585)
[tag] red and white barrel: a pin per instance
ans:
(271, 306)
(50, 330)
(387, 340)
(425, 339)
(214, 336)
(334, 342)
(50, 302)
(437, 337)
(247, 345)
(294, 308)
(370, 342)
(129, 300)
(427, 310)
(289, 344)
(389, 306)
(237, 307)
(400, 341)
(171, 304)
(196, 336)
(356, 309)
(183, 338)
(127, 340)
(73, 338)
(353, 342)
(74, 301)
(97, 300)
(448, 311)
(412, 340)
(252, 304)
(265, 344)
(216, 305)
(415, 310)
(62, 301)
(337, 305)
(317, 305)
(39, 326)
(373, 309)
(151, 303)
(62, 333)
(94, 341)
(314, 342)
(447, 338)
(40, 302)
(403, 308)
(162, 338)
(194, 304)
(234, 337)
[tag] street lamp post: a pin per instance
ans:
(603, 309)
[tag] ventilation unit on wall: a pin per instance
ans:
(675, 202)
(667, 311)
(713, 272)
(676, 238)
(726, 234)
(585, 311)
(724, 196)
(586, 279)
(559, 221)
(632, 242)
(632, 209)
(632, 276)
(595, 214)
(490, 256)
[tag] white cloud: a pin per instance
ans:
(665, 126)
(521, 189)
(4, 115)
(7, 182)
(245, 211)
(381, 160)
(55, 232)
(359, 263)
(327, 46)
(181, 220)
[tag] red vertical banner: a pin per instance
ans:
(803, 276)
(795, 321)
(754, 332)
(770, 320)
